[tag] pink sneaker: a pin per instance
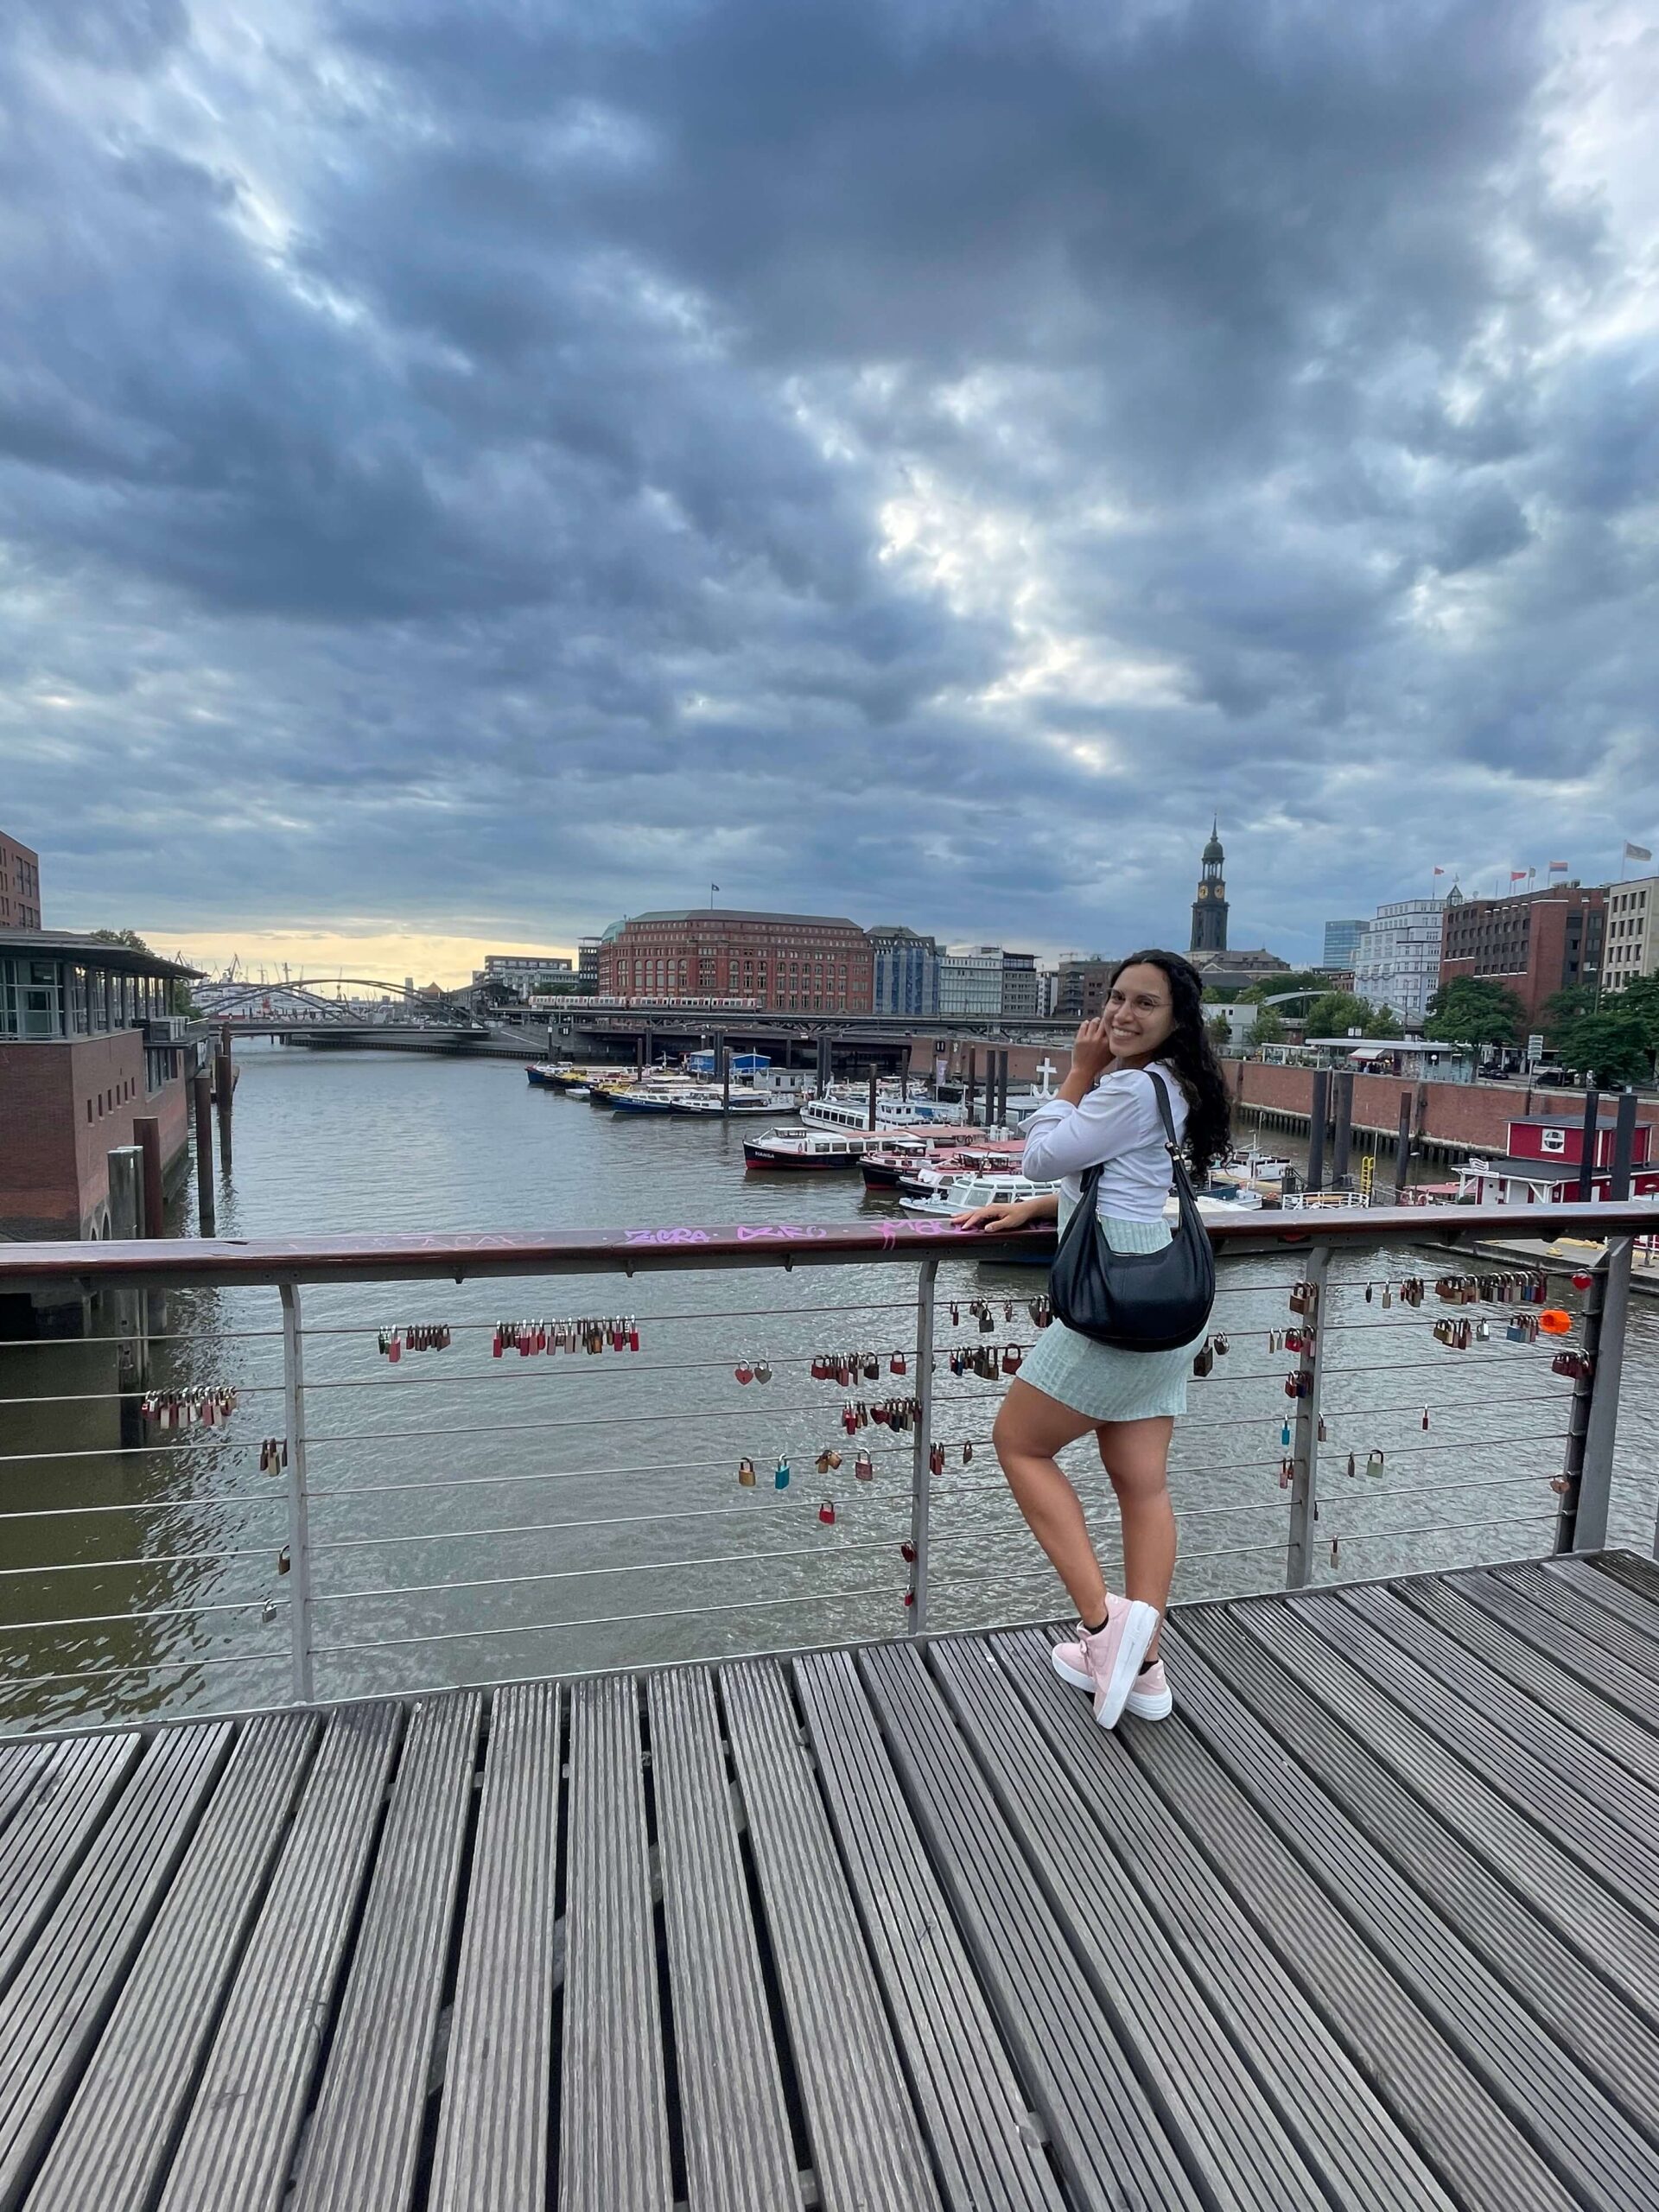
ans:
(1149, 1697)
(1106, 1664)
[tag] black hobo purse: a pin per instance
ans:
(1137, 1301)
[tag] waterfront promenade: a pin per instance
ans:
(1372, 1924)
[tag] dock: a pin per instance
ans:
(1372, 1922)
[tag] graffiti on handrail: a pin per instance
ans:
(668, 1236)
(778, 1232)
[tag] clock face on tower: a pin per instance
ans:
(1203, 891)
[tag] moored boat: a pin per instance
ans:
(807, 1149)
(960, 1193)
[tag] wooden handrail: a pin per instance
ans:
(462, 1255)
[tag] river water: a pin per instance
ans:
(584, 1511)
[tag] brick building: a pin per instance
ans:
(86, 1043)
(1534, 944)
(791, 963)
(20, 886)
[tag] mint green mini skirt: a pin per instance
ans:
(1099, 1381)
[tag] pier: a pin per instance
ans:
(1370, 1924)
(439, 1890)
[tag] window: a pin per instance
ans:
(1555, 1140)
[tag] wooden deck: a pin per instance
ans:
(1372, 1924)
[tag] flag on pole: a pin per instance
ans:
(1439, 871)
(1517, 875)
(1558, 868)
(1637, 852)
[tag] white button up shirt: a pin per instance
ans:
(1118, 1127)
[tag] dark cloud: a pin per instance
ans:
(488, 465)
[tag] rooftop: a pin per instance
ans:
(1367, 1925)
(735, 914)
(66, 944)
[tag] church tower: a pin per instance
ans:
(1210, 907)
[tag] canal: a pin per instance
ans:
(479, 1518)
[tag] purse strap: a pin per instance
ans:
(1089, 1182)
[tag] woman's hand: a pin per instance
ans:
(1000, 1218)
(1091, 1053)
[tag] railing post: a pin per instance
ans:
(1581, 1524)
(1305, 1436)
(921, 1473)
(299, 1531)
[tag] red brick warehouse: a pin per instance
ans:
(789, 963)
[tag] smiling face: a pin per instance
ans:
(1140, 1014)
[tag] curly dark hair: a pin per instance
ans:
(1189, 1052)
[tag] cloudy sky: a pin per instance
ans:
(470, 468)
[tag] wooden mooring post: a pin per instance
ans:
(202, 1094)
(224, 1086)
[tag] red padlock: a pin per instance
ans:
(827, 1513)
(743, 1371)
(907, 1553)
(896, 1365)
(1582, 1281)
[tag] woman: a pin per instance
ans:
(1106, 1112)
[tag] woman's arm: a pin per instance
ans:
(1063, 1138)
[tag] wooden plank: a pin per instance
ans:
(867, 2143)
(1581, 1908)
(56, 1818)
(239, 2138)
(1630, 1569)
(1485, 2162)
(1599, 1779)
(1363, 2155)
(365, 2136)
(987, 2142)
(491, 2151)
(1537, 1675)
(1567, 1645)
(1602, 1843)
(1576, 2128)
(115, 2140)
(1111, 2130)
(1604, 1606)
(1229, 2137)
(55, 2008)
(20, 1763)
(613, 2144)
(1612, 2039)
(733, 2116)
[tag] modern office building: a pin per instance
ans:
(1631, 939)
(1019, 988)
(1535, 944)
(792, 963)
(1342, 946)
(1397, 961)
(521, 971)
(20, 884)
(905, 971)
(970, 980)
(1080, 987)
(587, 963)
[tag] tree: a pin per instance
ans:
(1218, 1029)
(1335, 1014)
(1382, 1022)
(1266, 1029)
(1639, 1002)
(1561, 1010)
(1609, 1047)
(179, 999)
(1474, 1010)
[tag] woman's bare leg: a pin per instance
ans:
(1135, 1454)
(1030, 1429)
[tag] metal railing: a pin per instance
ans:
(261, 1530)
